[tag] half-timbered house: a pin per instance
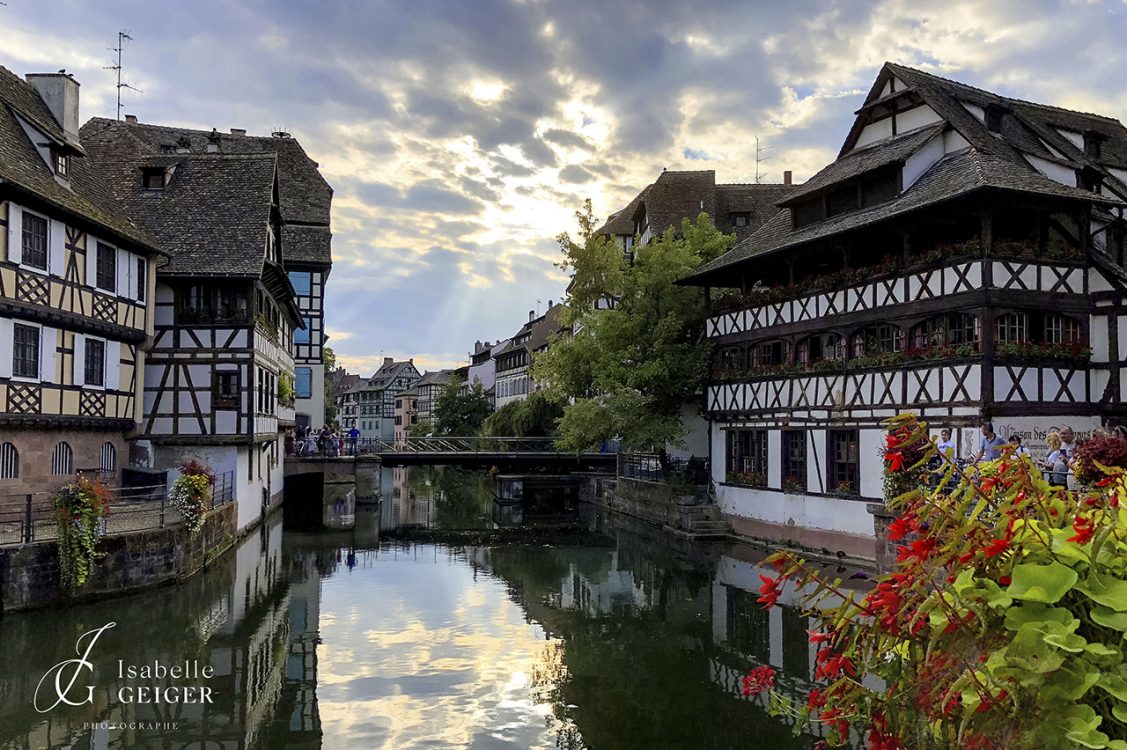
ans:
(225, 308)
(76, 296)
(962, 258)
(375, 399)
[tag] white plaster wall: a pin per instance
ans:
(1034, 429)
(775, 459)
(696, 439)
(314, 406)
(839, 515)
(1052, 170)
(921, 161)
(975, 110)
(874, 132)
(953, 141)
(916, 117)
(872, 463)
(1098, 339)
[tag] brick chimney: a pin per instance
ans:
(786, 177)
(531, 315)
(388, 360)
(60, 93)
(238, 131)
(131, 119)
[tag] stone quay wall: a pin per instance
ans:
(29, 574)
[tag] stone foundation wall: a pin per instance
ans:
(35, 449)
(29, 574)
(657, 502)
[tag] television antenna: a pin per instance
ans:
(759, 158)
(121, 37)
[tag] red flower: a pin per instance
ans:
(816, 637)
(769, 591)
(997, 547)
(895, 460)
(1005, 580)
(902, 526)
(1084, 530)
(830, 665)
(758, 680)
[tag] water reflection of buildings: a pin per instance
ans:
(406, 504)
(253, 617)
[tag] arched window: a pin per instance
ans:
(882, 339)
(769, 354)
(62, 460)
(953, 329)
(9, 462)
(818, 348)
(1011, 328)
(1061, 329)
(109, 458)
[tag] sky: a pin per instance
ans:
(461, 136)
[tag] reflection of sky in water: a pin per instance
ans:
(416, 653)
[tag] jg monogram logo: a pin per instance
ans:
(72, 669)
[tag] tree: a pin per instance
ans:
(535, 416)
(460, 413)
(329, 358)
(424, 428)
(627, 371)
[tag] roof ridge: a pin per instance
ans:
(1011, 99)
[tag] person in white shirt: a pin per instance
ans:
(945, 445)
(1018, 448)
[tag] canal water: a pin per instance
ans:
(417, 624)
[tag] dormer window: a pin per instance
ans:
(1092, 144)
(994, 115)
(62, 164)
(740, 219)
(1089, 179)
(153, 178)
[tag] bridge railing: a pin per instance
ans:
(450, 444)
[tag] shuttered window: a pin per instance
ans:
(107, 267)
(9, 462)
(25, 351)
(34, 241)
(95, 362)
(62, 460)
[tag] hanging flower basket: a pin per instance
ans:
(80, 508)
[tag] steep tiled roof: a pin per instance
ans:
(954, 176)
(679, 195)
(212, 216)
(306, 244)
(305, 197)
(622, 222)
(863, 160)
(22, 167)
(438, 377)
(385, 375)
(760, 201)
(991, 161)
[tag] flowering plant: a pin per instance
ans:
(1001, 624)
(191, 493)
(79, 509)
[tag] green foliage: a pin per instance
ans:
(626, 372)
(535, 416)
(1002, 624)
(79, 510)
(329, 358)
(285, 389)
(461, 413)
(424, 428)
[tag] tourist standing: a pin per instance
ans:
(1018, 448)
(990, 449)
(353, 439)
(946, 445)
(1055, 462)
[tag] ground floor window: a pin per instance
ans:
(303, 382)
(747, 457)
(62, 460)
(842, 460)
(794, 460)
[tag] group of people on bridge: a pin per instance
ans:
(328, 442)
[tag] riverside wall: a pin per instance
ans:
(29, 574)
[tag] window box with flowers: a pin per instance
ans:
(1076, 351)
(747, 479)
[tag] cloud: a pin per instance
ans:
(460, 138)
(575, 173)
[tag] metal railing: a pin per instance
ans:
(654, 467)
(31, 517)
(376, 446)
